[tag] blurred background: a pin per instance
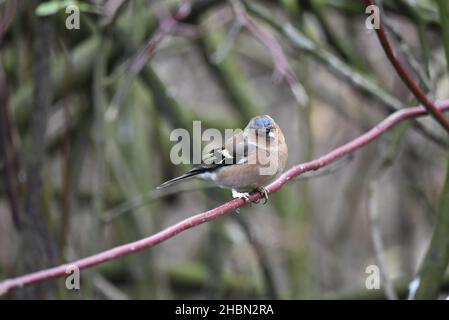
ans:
(86, 115)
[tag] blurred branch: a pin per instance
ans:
(83, 59)
(65, 161)
(444, 12)
(340, 68)
(193, 276)
(414, 12)
(437, 257)
(143, 199)
(107, 289)
(99, 98)
(7, 16)
(223, 49)
(167, 25)
(340, 47)
(283, 70)
(374, 212)
(9, 164)
(112, 10)
(230, 76)
(418, 12)
(407, 52)
(262, 257)
(401, 288)
(201, 218)
(37, 242)
(405, 75)
(164, 102)
(436, 260)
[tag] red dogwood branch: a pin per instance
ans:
(405, 75)
(227, 207)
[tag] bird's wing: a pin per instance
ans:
(235, 151)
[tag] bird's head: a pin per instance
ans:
(264, 126)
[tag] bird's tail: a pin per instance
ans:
(188, 174)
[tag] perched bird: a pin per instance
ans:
(246, 162)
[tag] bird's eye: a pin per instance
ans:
(270, 134)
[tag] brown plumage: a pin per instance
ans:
(247, 161)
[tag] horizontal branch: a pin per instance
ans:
(227, 207)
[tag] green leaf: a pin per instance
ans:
(86, 7)
(48, 8)
(52, 7)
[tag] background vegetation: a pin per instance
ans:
(84, 140)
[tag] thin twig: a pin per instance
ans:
(222, 51)
(302, 43)
(374, 214)
(8, 154)
(405, 75)
(408, 55)
(107, 289)
(7, 17)
(37, 238)
(66, 158)
(434, 265)
(198, 219)
(262, 257)
(282, 67)
(167, 25)
(143, 199)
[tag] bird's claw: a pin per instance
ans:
(241, 195)
(264, 192)
(245, 195)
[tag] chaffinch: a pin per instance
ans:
(246, 162)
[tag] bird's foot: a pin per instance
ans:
(264, 192)
(240, 195)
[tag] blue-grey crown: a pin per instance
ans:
(262, 122)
